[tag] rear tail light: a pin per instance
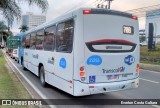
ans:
(134, 17)
(91, 86)
(86, 11)
(138, 68)
(82, 74)
(81, 68)
(83, 78)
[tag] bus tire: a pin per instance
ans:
(23, 65)
(42, 76)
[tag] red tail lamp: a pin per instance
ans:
(86, 11)
(134, 17)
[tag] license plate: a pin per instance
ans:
(113, 77)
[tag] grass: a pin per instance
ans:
(150, 57)
(10, 86)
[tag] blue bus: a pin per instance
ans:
(21, 48)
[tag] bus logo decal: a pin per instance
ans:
(116, 70)
(50, 61)
(129, 60)
(35, 56)
(122, 69)
(94, 60)
(92, 79)
(63, 63)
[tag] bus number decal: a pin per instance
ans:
(63, 63)
(94, 60)
(128, 30)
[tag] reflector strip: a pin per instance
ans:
(101, 46)
(110, 41)
(91, 86)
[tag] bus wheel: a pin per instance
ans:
(23, 66)
(42, 76)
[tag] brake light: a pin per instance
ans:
(81, 68)
(86, 11)
(91, 86)
(138, 68)
(134, 17)
(81, 74)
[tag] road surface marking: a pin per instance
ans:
(150, 71)
(156, 106)
(149, 80)
(31, 84)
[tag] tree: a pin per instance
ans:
(23, 28)
(11, 10)
(3, 27)
(3, 31)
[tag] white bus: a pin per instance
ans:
(87, 51)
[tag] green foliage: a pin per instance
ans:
(150, 57)
(3, 26)
(11, 9)
(4, 31)
(10, 86)
(23, 28)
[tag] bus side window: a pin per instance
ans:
(49, 38)
(64, 39)
(40, 39)
(27, 41)
(33, 41)
(23, 42)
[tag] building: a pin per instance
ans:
(32, 20)
(154, 18)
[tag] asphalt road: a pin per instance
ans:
(149, 89)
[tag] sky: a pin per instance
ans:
(58, 7)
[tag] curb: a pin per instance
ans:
(150, 67)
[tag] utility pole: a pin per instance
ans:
(109, 3)
(101, 4)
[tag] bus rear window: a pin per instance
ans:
(111, 46)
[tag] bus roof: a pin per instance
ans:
(92, 11)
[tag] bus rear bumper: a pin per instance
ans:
(89, 89)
